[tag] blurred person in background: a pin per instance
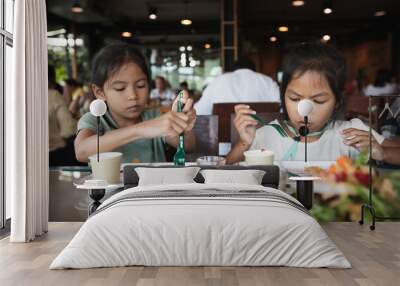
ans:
(70, 87)
(80, 104)
(241, 85)
(184, 86)
(193, 94)
(382, 85)
(162, 92)
(62, 127)
(52, 81)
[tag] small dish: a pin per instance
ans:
(211, 161)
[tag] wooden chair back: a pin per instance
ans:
(224, 111)
(206, 132)
(268, 117)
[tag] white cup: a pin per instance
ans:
(259, 157)
(107, 168)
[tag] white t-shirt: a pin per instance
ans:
(388, 88)
(242, 85)
(327, 148)
(166, 97)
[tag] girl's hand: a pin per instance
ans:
(170, 124)
(244, 124)
(359, 139)
(187, 109)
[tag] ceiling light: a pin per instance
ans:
(76, 7)
(186, 22)
(328, 8)
(182, 48)
(283, 29)
(207, 46)
(380, 13)
(152, 13)
(298, 3)
(326, 38)
(56, 32)
(126, 34)
(189, 48)
(273, 39)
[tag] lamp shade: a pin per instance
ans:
(98, 107)
(305, 107)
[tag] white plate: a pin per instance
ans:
(304, 178)
(155, 164)
(244, 163)
(297, 167)
(300, 165)
(92, 187)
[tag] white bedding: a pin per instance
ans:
(188, 231)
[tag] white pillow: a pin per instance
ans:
(248, 177)
(166, 176)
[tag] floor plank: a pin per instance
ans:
(375, 257)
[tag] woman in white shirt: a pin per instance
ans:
(315, 72)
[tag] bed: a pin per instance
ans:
(198, 224)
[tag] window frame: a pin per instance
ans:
(6, 39)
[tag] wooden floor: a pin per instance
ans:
(375, 257)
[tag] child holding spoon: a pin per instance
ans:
(310, 71)
(120, 77)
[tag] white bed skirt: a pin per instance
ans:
(200, 232)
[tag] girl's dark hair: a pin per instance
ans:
(320, 58)
(111, 58)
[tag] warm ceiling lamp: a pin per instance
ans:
(298, 3)
(152, 13)
(186, 21)
(328, 7)
(273, 39)
(283, 29)
(126, 34)
(207, 46)
(326, 38)
(76, 7)
(380, 13)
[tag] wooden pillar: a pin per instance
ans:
(229, 34)
(67, 59)
(74, 54)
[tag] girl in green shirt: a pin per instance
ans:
(120, 77)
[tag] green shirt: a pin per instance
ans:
(142, 150)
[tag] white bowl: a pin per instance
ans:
(259, 157)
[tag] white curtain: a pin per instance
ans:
(27, 124)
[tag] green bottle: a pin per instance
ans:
(179, 157)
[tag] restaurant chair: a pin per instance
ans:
(357, 107)
(224, 111)
(206, 132)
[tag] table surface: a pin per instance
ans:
(67, 203)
